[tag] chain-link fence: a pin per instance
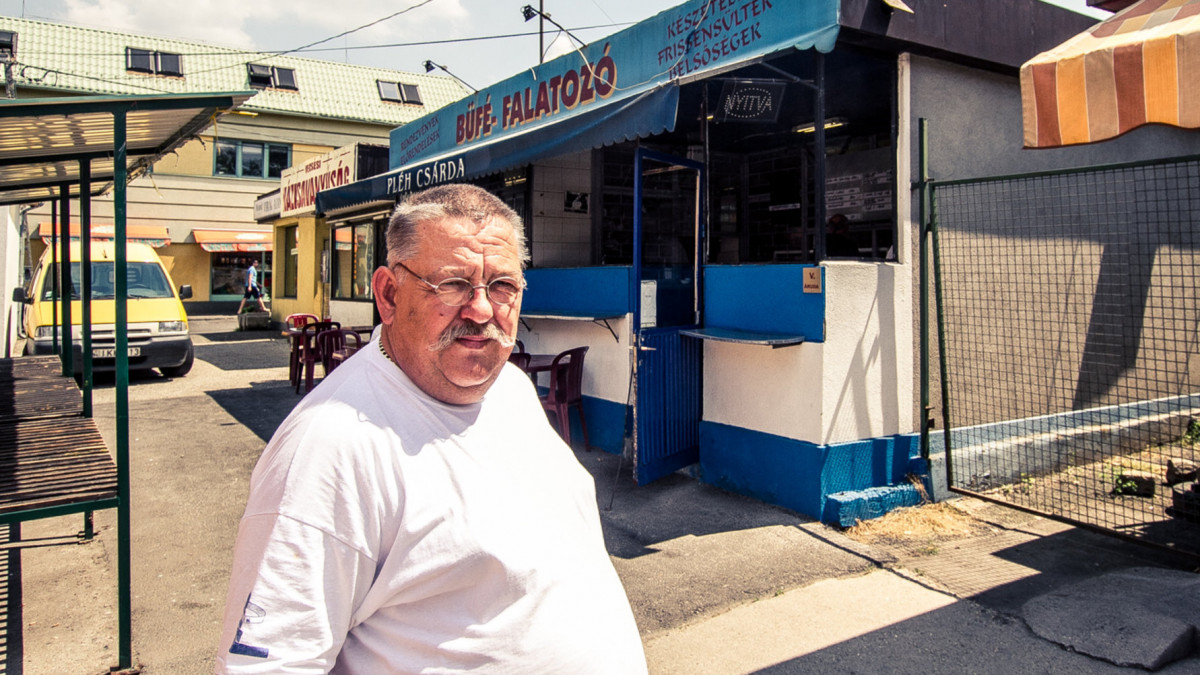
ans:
(1071, 304)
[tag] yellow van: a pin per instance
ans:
(158, 326)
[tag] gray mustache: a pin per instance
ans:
(471, 329)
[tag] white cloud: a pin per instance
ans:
(218, 21)
(269, 24)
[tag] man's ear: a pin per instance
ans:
(383, 285)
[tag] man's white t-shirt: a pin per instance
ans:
(387, 532)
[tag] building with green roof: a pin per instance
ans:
(197, 206)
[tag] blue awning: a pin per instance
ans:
(621, 87)
(651, 113)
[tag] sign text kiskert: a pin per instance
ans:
(548, 97)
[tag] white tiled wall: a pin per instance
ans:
(561, 239)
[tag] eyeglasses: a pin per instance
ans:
(457, 292)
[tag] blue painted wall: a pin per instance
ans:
(763, 299)
(607, 424)
(602, 291)
(799, 475)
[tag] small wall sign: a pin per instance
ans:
(812, 279)
(749, 101)
(576, 202)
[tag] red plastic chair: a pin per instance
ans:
(333, 349)
(520, 360)
(566, 392)
(293, 323)
(309, 351)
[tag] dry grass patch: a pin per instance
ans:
(919, 528)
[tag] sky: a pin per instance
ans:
(417, 30)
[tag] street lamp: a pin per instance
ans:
(430, 65)
(529, 12)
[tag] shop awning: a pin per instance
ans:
(152, 235)
(651, 113)
(621, 87)
(1140, 66)
(243, 241)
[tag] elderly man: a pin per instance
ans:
(416, 512)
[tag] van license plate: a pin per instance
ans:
(111, 352)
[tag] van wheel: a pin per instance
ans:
(182, 369)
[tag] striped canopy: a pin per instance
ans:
(1141, 66)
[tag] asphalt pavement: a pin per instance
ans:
(719, 583)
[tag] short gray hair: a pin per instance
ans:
(455, 200)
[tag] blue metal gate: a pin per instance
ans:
(668, 237)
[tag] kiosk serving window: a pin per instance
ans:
(764, 200)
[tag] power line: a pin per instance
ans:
(304, 48)
(32, 81)
(389, 45)
(272, 54)
(355, 30)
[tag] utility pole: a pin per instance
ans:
(10, 86)
(541, 31)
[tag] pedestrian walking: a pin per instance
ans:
(253, 290)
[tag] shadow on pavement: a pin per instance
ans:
(104, 380)
(959, 638)
(672, 507)
(1069, 557)
(246, 356)
(261, 408)
(989, 633)
(12, 638)
(241, 336)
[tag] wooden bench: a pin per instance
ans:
(53, 467)
(53, 461)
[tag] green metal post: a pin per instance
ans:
(85, 278)
(54, 230)
(943, 349)
(124, 559)
(923, 282)
(65, 285)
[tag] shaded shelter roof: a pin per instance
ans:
(43, 142)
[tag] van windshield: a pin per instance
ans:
(145, 280)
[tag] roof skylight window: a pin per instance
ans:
(153, 63)
(271, 77)
(398, 92)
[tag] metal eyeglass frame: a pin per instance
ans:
(487, 293)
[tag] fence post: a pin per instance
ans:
(923, 281)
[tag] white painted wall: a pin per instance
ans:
(606, 367)
(776, 391)
(10, 277)
(857, 384)
(868, 362)
(352, 313)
